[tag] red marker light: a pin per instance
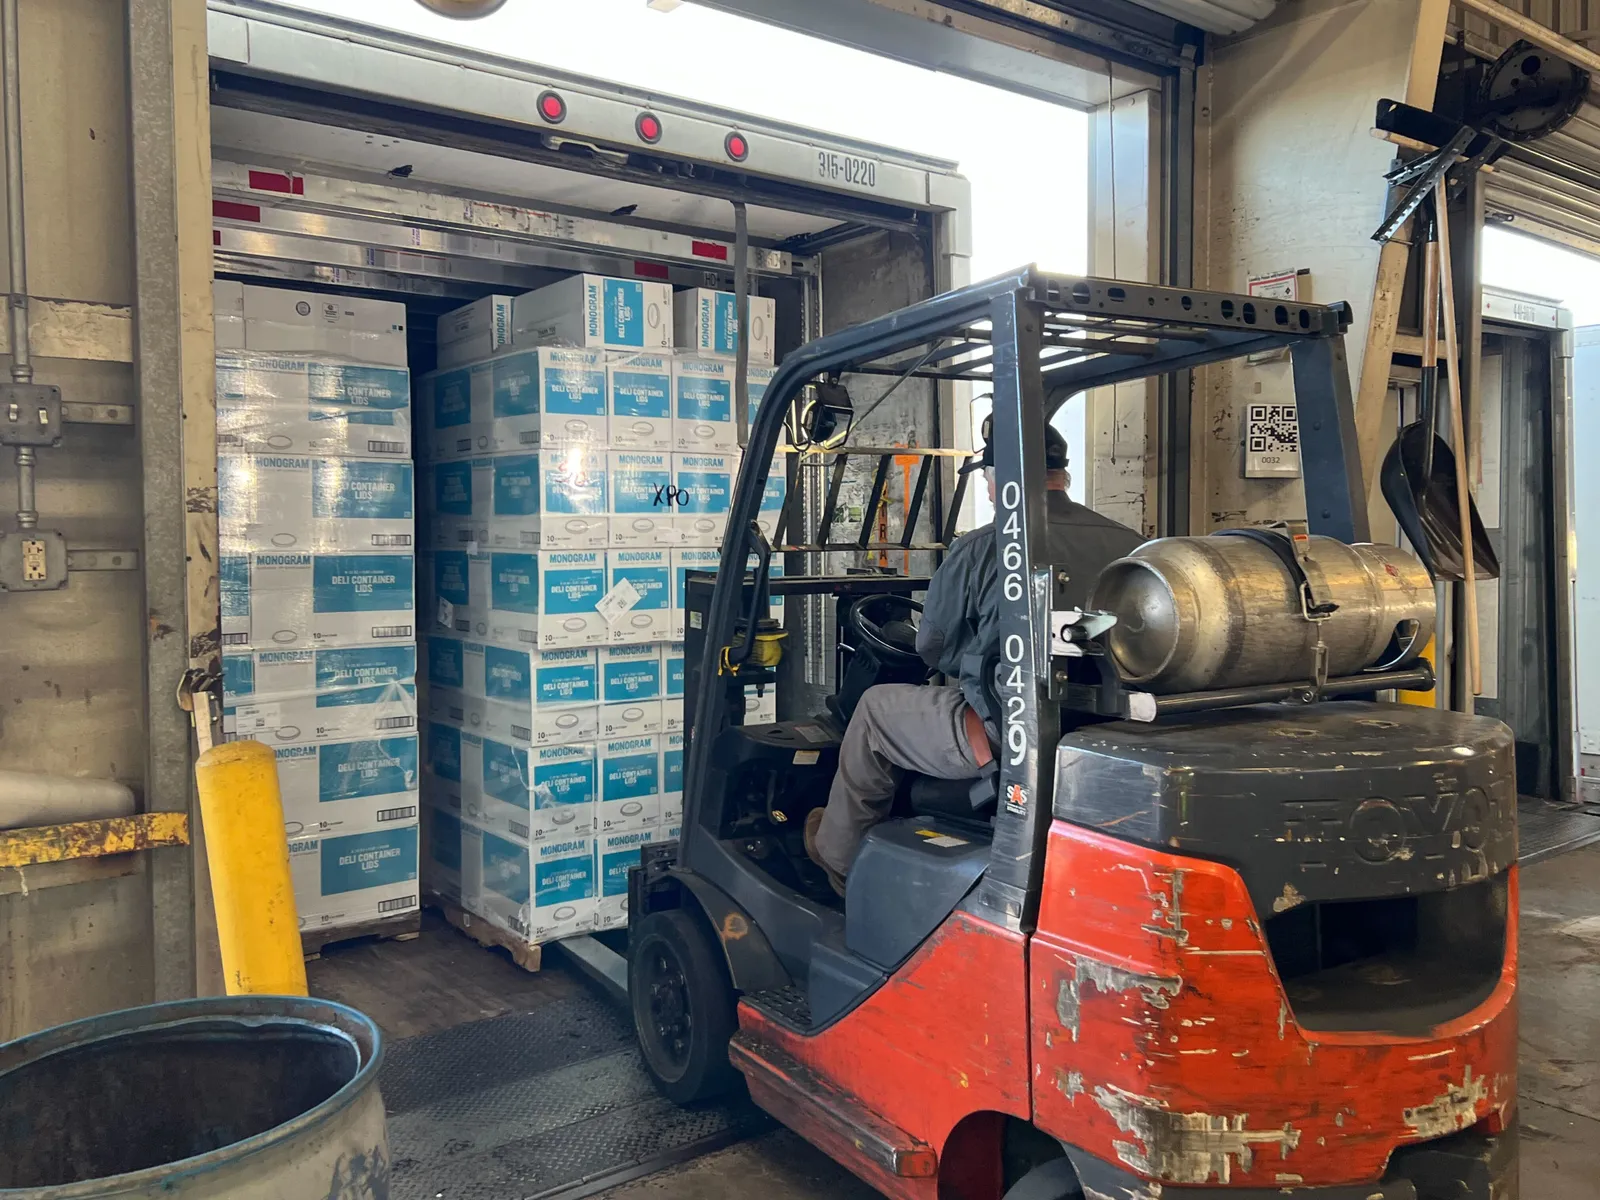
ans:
(552, 108)
(648, 127)
(738, 149)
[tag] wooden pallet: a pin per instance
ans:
(524, 954)
(401, 928)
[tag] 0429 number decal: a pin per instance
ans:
(1013, 649)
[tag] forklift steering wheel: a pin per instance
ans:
(868, 627)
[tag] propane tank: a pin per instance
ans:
(1202, 613)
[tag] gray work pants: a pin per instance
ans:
(896, 727)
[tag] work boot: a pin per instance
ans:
(814, 823)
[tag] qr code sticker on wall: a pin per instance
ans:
(1271, 441)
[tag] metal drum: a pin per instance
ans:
(249, 1097)
(1201, 613)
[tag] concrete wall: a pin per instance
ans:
(1289, 176)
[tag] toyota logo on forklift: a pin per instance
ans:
(1172, 938)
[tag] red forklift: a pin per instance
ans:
(1243, 941)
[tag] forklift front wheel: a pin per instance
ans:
(683, 1005)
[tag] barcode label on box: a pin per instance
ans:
(385, 447)
(528, 437)
(393, 723)
(456, 714)
(229, 439)
(397, 814)
(529, 538)
(522, 732)
(524, 635)
(391, 631)
(235, 639)
(517, 828)
(391, 539)
(398, 903)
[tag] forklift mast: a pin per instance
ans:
(1035, 339)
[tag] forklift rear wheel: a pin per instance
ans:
(683, 1006)
(1054, 1180)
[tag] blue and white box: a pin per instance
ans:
(440, 868)
(290, 404)
(644, 576)
(694, 558)
(548, 396)
(672, 678)
(756, 381)
(542, 600)
(540, 893)
(288, 696)
(530, 697)
(547, 499)
(706, 322)
(616, 855)
(629, 674)
(630, 783)
(597, 312)
(530, 794)
(639, 401)
(448, 404)
(352, 877)
(773, 495)
(702, 405)
(302, 599)
(760, 705)
(705, 491)
(296, 502)
(672, 748)
(643, 496)
(348, 785)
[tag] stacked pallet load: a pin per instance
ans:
(317, 530)
(576, 467)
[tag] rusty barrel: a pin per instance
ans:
(249, 1097)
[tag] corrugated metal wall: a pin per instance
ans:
(1533, 200)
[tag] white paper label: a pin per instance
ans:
(615, 603)
(945, 842)
(806, 758)
(447, 613)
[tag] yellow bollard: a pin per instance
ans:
(257, 923)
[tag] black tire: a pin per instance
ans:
(1054, 1180)
(683, 1005)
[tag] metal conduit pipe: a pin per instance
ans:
(17, 244)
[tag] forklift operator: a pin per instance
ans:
(949, 732)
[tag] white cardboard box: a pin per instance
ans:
(760, 710)
(648, 571)
(630, 673)
(287, 696)
(294, 404)
(672, 679)
(706, 322)
(537, 698)
(630, 783)
(598, 312)
(702, 404)
(447, 401)
(632, 719)
(547, 499)
(616, 854)
(756, 385)
(474, 331)
(516, 401)
(271, 502)
(641, 488)
(349, 878)
(517, 724)
(639, 401)
(529, 794)
(280, 321)
(540, 893)
(300, 599)
(541, 600)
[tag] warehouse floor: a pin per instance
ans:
(443, 981)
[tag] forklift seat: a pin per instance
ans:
(967, 801)
(907, 878)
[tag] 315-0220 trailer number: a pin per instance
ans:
(847, 169)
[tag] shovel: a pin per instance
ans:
(1420, 475)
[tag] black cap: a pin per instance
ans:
(1055, 449)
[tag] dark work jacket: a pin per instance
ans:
(960, 616)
